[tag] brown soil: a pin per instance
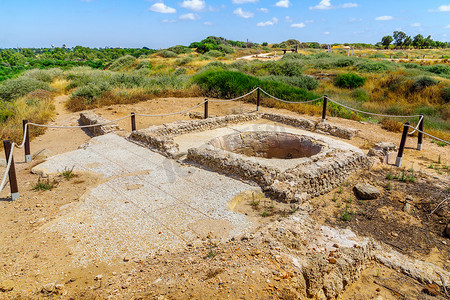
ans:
(239, 269)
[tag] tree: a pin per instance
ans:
(407, 41)
(399, 37)
(418, 41)
(386, 41)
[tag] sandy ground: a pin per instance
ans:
(34, 264)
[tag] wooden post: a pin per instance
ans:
(12, 171)
(258, 98)
(324, 109)
(398, 161)
(27, 141)
(133, 121)
(206, 109)
(420, 135)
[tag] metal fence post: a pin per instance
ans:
(12, 171)
(133, 121)
(420, 135)
(258, 98)
(206, 109)
(398, 161)
(27, 140)
(324, 109)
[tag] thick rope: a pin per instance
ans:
(234, 99)
(417, 127)
(24, 137)
(8, 166)
(170, 114)
(369, 113)
(433, 137)
(291, 102)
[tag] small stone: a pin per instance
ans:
(59, 286)
(6, 286)
(367, 191)
(432, 289)
(48, 288)
(98, 277)
(394, 234)
(2, 162)
(407, 208)
(126, 259)
(409, 198)
(335, 245)
(331, 260)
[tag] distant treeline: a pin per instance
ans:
(401, 40)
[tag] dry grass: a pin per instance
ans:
(59, 85)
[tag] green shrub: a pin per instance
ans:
(304, 82)
(378, 55)
(90, 92)
(439, 69)
(344, 62)
(423, 82)
(349, 81)
(213, 53)
(321, 55)
(167, 54)
(180, 49)
(185, 60)
(446, 93)
(14, 88)
(284, 67)
(6, 111)
(293, 56)
(179, 71)
(411, 66)
(144, 64)
(361, 95)
(122, 63)
(47, 75)
(371, 67)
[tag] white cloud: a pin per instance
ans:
(298, 25)
(264, 10)
(323, 5)
(416, 24)
(162, 8)
(444, 8)
(288, 19)
(309, 21)
(208, 23)
(242, 13)
(168, 21)
(193, 4)
(349, 5)
(384, 18)
(244, 1)
(326, 33)
(271, 22)
(283, 3)
(189, 17)
(447, 27)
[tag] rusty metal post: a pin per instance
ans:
(258, 98)
(420, 135)
(12, 171)
(324, 109)
(206, 109)
(27, 141)
(398, 161)
(133, 121)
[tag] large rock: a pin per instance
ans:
(366, 191)
(2, 162)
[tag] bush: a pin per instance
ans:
(144, 64)
(361, 95)
(304, 82)
(372, 67)
(185, 60)
(43, 75)
(423, 82)
(6, 111)
(439, 69)
(14, 88)
(122, 63)
(90, 92)
(285, 67)
(167, 54)
(293, 56)
(344, 62)
(378, 55)
(180, 49)
(446, 94)
(349, 81)
(213, 53)
(179, 71)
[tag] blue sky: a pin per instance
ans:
(164, 23)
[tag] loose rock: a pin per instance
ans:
(367, 191)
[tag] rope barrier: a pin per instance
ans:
(431, 136)
(369, 113)
(234, 99)
(79, 126)
(285, 101)
(170, 114)
(24, 138)
(417, 127)
(8, 166)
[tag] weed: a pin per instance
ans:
(439, 143)
(439, 159)
(265, 213)
(340, 190)
(349, 81)
(68, 173)
(338, 205)
(389, 176)
(44, 185)
(431, 166)
(388, 186)
(346, 216)
(211, 254)
(349, 200)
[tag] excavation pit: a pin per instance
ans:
(265, 144)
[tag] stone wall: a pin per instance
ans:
(89, 118)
